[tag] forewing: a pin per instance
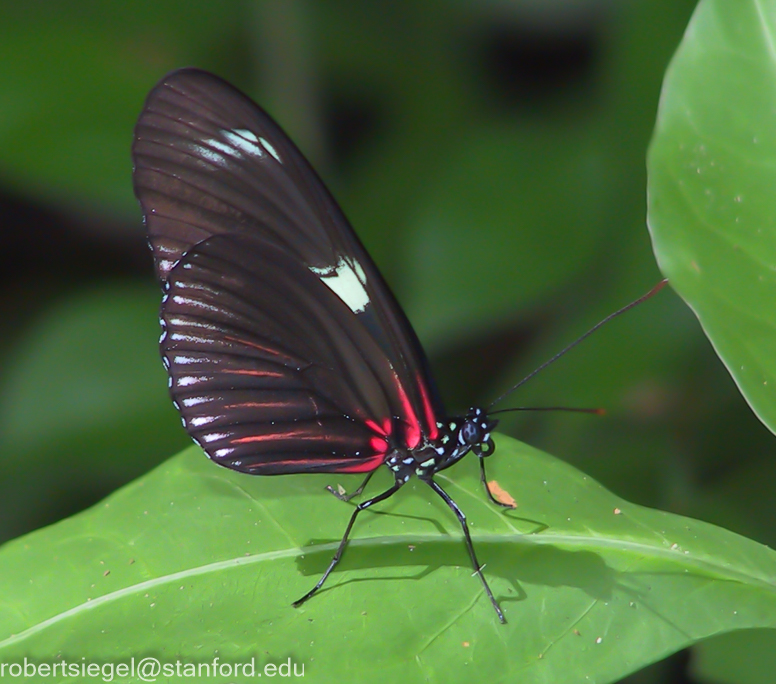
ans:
(210, 162)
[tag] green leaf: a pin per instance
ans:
(592, 586)
(712, 209)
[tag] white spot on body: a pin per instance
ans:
(201, 420)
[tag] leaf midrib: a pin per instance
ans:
(718, 569)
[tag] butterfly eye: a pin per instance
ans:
(471, 434)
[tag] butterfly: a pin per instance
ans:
(285, 348)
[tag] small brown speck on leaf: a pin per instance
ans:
(500, 494)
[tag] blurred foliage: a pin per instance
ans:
(490, 155)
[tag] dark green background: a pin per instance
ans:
(491, 156)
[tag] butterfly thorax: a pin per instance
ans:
(456, 438)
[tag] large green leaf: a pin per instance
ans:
(712, 208)
(194, 561)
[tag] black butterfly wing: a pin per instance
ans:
(267, 368)
(236, 215)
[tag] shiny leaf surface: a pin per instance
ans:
(591, 585)
(712, 210)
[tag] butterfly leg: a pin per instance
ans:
(364, 504)
(469, 546)
(344, 496)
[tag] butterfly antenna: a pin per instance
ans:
(568, 348)
(571, 409)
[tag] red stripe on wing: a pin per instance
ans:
(428, 409)
(257, 373)
(412, 430)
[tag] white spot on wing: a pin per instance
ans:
(194, 401)
(268, 146)
(175, 320)
(347, 280)
(167, 264)
(186, 380)
(213, 436)
(221, 147)
(185, 360)
(193, 339)
(187, 301)
(247, 134)
(201, 420)
(244, 142)
(209, 154)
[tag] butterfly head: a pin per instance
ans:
(475, 431)
(460, 436)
